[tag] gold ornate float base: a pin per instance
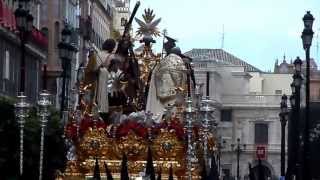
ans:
(167, 150)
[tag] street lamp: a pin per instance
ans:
(238, 150)
(24, 24)
(66, 52)
(294, 123)
(307, 36)
(283, 120)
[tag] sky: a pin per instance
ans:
(257, 31)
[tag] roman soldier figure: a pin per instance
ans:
(168, 81)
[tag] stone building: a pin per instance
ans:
(247, 108)
(55, 15)
(122, 14)
(285, 68)
(100, 19)
(10, 52)
(91, 21)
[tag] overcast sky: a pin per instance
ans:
(257, 31)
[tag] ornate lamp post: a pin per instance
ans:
(294, 166)
(43, 104)
(66, 52)
(283, 120)
(24, 24)
(206, 110)
(21, 113)
(189, 116)
(238, 149)
(307, 36)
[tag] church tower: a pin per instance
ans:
(122, 14)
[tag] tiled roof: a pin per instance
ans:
(219, 56)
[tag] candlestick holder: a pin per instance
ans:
(21, 113)
(206, 110)
(43, 112)
(189, 116)
(198, 93)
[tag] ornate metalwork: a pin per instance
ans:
(21, 113)
(43, 104)
(189, 116)
(148, 27)
(165, 135)
(206, 110)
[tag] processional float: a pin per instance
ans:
(181, 136)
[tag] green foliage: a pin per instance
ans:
(55, 149)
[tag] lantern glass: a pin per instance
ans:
(284, 108)
(284, 99)
(308, 20)
(297, 80)
(66, 35)
(65, 38)
(70, 54)
(29, 22)
(293, 88)
(21, 18)
(63, 51)
(297, 64)
(308, 23)
(292, 101)
(307, 39)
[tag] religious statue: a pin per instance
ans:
(105, 57)
(168, 81)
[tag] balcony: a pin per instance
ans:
(251, 100)
(251, 148)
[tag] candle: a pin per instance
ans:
(208, 84)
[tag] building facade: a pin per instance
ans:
(10, 52)
(288, 68)
(121, 15)
(55, 16)
(247, 108)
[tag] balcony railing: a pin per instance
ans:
(251, 100)
(251, 148)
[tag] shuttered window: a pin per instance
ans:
(261, 133)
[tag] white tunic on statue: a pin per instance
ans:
(168, 75)
(103, 62)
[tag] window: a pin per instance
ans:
(56, 34)
(278, 91)
(261, 133)
(6, 66)
(226, 171)
(123, 21)
(226, 115)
